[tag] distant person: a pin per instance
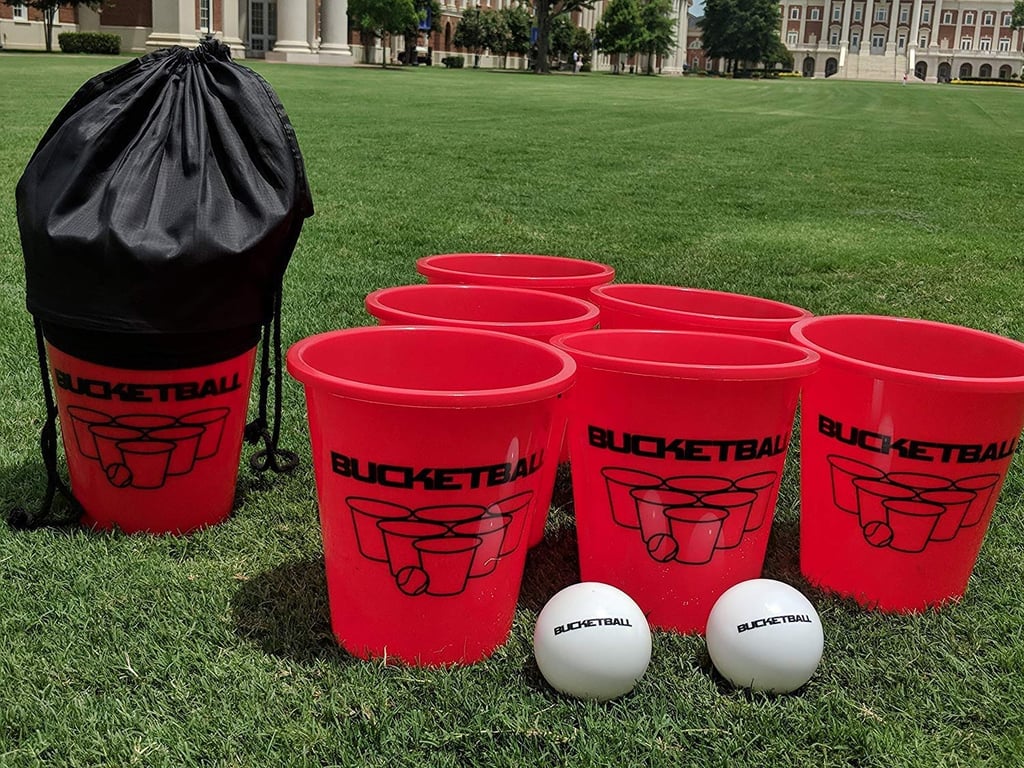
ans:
(577, 62)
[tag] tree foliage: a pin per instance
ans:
(657, 31)
(545, 12)
(428, 15)
(379, 18)
(520, 22)
(566, 37)
(49, 9)
(617, 30)
(1017, 17)
(471, 32)
(740, 30)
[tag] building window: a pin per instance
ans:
(833, 38)
(880, 14)
(855, 40)
(837, 13)
(204, 16)
(1004, 44)
(923, 42)
(877, 41)
(20, 12)
(986, 44)
(904, 14)
(815, 14)
(988, 19)
(926, 15)
(969, 18)
(794, 12)
(947, 17)
(858, 13)
(791, 38)
(901, 43)
(1007, 19)
(965, 44)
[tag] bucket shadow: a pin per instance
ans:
(285, 611)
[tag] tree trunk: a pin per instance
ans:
(543, 35)
(48, 16)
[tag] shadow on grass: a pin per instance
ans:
(286, 613)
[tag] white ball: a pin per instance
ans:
(765, 635)
(592, 641)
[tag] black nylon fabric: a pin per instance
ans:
(165, 198)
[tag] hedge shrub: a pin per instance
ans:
(89, 42)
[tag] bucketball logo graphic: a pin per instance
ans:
(437, 550)
(688, 518)
(143, 450)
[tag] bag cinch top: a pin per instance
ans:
(160, 210)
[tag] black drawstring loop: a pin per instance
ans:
(20, 517)
(271, 456)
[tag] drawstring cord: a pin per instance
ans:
(19, 517)
(271, 456)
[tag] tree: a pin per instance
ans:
(779, 54)
(740, 30)
(497, 33)
(618, 29)
(427, 14)
(471, 33)
(519, 22)
(545, 11)
(49, 8)
(378, 18)
(657, 34)
(1017, 18)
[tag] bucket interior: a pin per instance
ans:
(477, 304)
(515, 265)
(402, 363)
(684, 353)
(915, 346)
(703, 302)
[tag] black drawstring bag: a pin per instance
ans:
(157, 217)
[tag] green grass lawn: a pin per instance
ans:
(215, 649)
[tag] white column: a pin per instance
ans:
(869, 22)
(334, 47)
(894, 11)
(844, 36)
(914, 34)
(230, 33)
(174, 23)
(936, 18)
(292, 28)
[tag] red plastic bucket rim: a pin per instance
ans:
(521, 269)
(561, 365)
(736, 309)
(689, 354)
(384, 304)
(803, 333)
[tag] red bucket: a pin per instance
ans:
(678, 441)
(908, 430)
(429, 446)
(534, 314)
(152, 450)
(558, 274)
(671, 308)
(530, 313)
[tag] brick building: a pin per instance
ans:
(929, 40)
